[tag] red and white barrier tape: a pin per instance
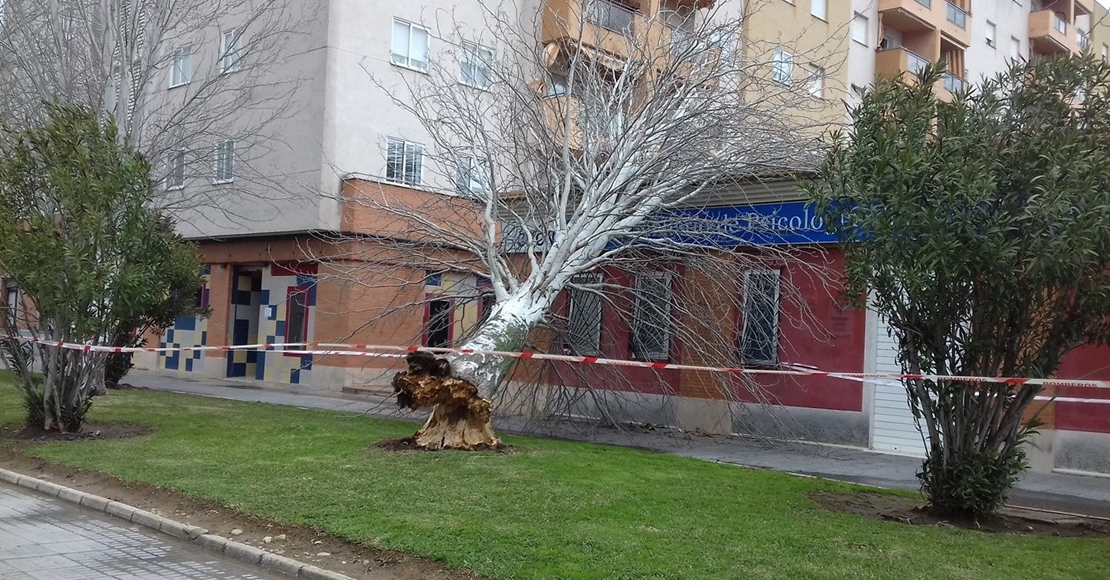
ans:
(388, 351)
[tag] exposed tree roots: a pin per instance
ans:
(460, 419)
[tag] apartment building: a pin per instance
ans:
(266, 281)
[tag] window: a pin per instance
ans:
(815, 82)
(296, 315)
(438, 331)
(485, 305)
(230, 51)
(1015, 48)
(859, 29)
(182, 66)
(1105, 53)
(759, 338)
(175, 169)
(11, 295)
(991, 31)
(404, 162)
(651, 317)
(583, 336)
(818, 8)
(477, 66)
(783, 66)
(410, 45)
(471, 177)
(225, 162)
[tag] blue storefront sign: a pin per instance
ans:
(765, 224)
(791, 222)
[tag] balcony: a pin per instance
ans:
(950, 86)
(598, 24)
(1048, 33)
(1083, 39)
(956, 25)
(894, 61)
(573, 122)
(953, 83)
(907, 15)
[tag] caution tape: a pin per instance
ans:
(390, 351)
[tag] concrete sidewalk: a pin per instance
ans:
(44, 538)
(1068, 493)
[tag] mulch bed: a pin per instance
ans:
(879, 506)
(35, 433)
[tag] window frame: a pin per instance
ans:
(638, 307)
(179, 53)
(175, 167)
(746, 317)
(778, 61)
(289, 303)
(426, 332)
(474, 162)
(11, 307)
(866, 23)
(595, 337)
(228, 66)
(470, 50)
(407, 64)
(824, 15)
(216, 166)
(815, 81)
(991, 35)
(404, 161)
(1015, 48)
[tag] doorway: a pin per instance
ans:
(246, 302)
(438, 331)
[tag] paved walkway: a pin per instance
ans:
(45, 538)
(1070, 493)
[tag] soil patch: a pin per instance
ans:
(127, 387)
(35, 434)
(879, 506)
(409, 444)
(299, 542)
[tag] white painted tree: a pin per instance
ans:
(597, 148)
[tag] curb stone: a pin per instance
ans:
(229, 548)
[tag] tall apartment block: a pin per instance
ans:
(348, 139)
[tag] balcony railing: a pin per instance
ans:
(1083, 39)
(609, 16)
(926, 3)
(1059, 24)
(953, 83)
(915, 62)
(957, 16)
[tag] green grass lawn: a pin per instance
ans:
(551, 510)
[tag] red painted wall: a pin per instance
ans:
(616, 343)
(1093, 363)
(829, 336)
(834, 343)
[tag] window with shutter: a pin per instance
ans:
(759, 337)
(651, 317)
(583, 335)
